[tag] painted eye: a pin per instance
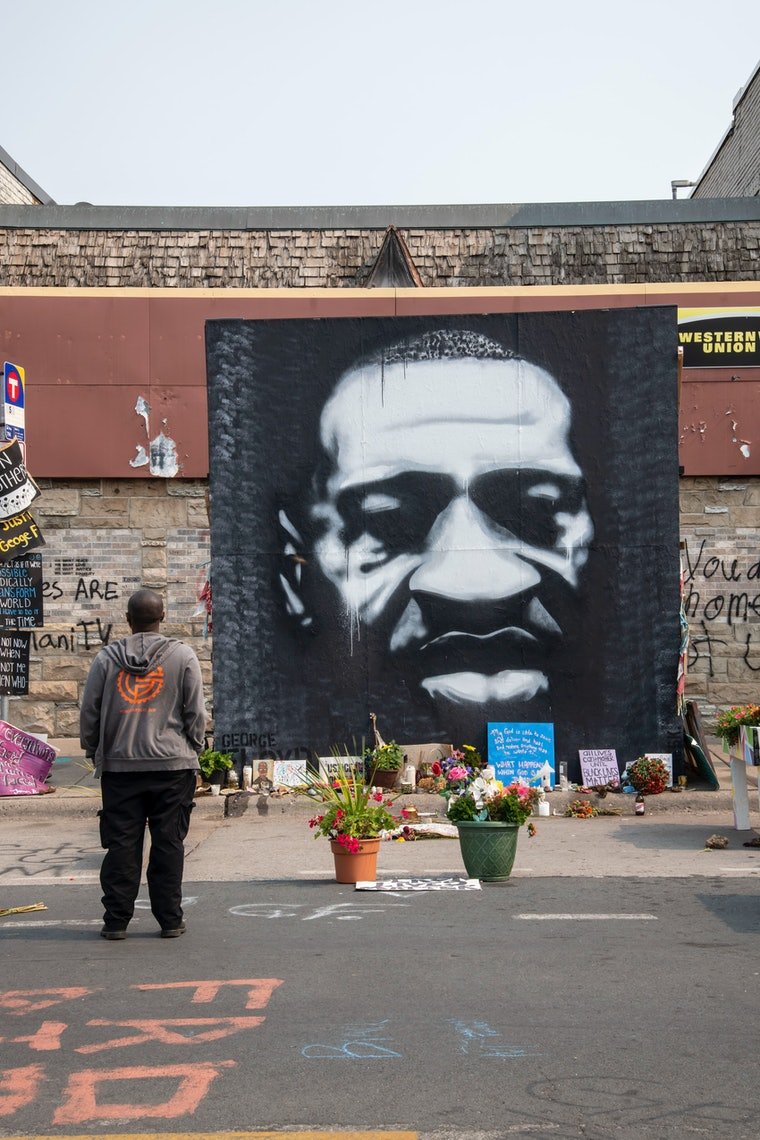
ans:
(548, 491)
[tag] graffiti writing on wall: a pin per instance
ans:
(721, 592)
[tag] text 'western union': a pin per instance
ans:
(738, 341)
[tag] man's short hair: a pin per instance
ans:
(145, 607)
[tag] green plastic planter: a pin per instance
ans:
(488, 849)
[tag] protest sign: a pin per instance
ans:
(522, 751)
(14, 664)
(330, 766)
(17, 488)
(19, 534)
(21, 593)
(599, 766)
(25, 762)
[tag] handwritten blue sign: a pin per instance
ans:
(521, 751)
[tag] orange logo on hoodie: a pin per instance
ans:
(136, 689)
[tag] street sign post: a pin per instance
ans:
(14, 402)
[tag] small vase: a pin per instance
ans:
(358, 868)
(488, 849)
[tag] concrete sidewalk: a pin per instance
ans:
(77, 793)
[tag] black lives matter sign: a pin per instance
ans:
(21, 593)
(14, 664)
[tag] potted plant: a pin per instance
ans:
(353, 818)
(648, 775)
(487, 814)
(383, 763)
(213, 765)
(730, 720)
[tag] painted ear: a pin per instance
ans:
(289, 576)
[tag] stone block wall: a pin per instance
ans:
(721, 563)
(107, 537)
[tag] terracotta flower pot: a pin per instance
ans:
(358, 868)
(383, 777)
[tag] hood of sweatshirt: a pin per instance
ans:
(141, 652)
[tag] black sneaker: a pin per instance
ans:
(113, 935)
(174, 932)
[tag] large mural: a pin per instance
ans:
(446, 521)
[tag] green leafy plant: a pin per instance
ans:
(648, 775)
(730, 720)
(211, 761)
(352, 812)
(384, 758)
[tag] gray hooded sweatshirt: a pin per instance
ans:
(142, 708)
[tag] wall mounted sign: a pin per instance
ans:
(19, 534)
(719, 338)
(17, 488)
(14, 664)
(21, 593)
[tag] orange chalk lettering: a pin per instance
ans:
(19, 1087)
(162, 1031)
(47, 1037)
(20, 1002)
(79, 1103)
(259, 989)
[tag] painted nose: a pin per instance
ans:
(468, 559)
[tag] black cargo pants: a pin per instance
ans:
(164, 801)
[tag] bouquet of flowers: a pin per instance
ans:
(730, 720)
(472, 794)
(648, 775)
(352, 812)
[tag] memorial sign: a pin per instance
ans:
(25, 762)
(599, 766)
(522, 751)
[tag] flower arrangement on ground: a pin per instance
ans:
(730, 720)
(352, 812)
(648, 775)
(473, 796)
(581, 809)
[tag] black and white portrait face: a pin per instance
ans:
(452, 515)
(445, 521)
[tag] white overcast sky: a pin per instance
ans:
(336, 102)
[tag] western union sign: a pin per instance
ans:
(719, 338)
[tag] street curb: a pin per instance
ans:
(83, 803)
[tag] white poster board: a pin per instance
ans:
(599, 766)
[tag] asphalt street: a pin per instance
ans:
(607, 990)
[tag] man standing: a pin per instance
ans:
(142, 720)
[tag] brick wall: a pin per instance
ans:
(107, 537)
(734, 171)
(12, 190)
(547, 255)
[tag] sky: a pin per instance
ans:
(367, 102)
